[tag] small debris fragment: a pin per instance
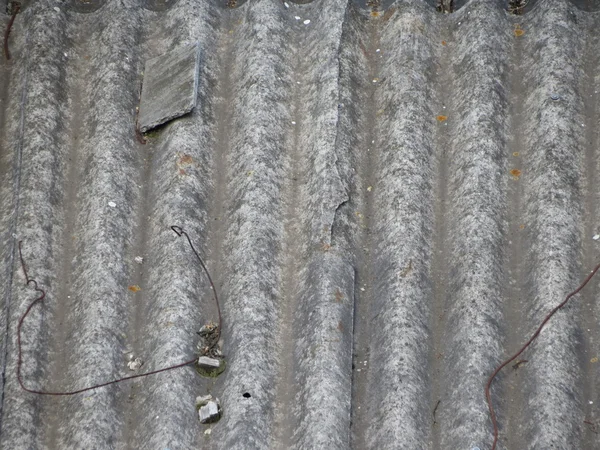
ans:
(297, 17)
(112, 204)
(441, 118)
(369, 188)
(210, 367)
(207, 431)
(209, 410)
(139, 259)
(134, 288)
(170, 85)
(207, 363)
(594, 360)
(286, 4)
(135, 364)
(555, 97)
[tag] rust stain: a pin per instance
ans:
(339, 297)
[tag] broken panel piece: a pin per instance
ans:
(169, 87)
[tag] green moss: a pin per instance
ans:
(214, 373)
(152, 133)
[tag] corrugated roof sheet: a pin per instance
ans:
(389, 199)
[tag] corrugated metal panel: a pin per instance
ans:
(389, 203)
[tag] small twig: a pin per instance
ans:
(435, 410)
(522, 349)
(592, 426)
(516, 365)
(16, 7)
(179, 231)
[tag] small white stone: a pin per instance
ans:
(297, 17)
(596, 237)
(57, 9)
(306, 22)
(207, 432)
(377, 51)
(135, 364)
(112, 204)
(286, 4)
(293, 123)
(139, 259)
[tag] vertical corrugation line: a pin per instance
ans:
(177, 300)
(255, 224)
(554, 154)
(348, 232)
(35, 221)
(402, 153)
(477, 171)
(97, 312)
(323, 302)
(13, 132)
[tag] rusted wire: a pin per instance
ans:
(522, 349)
(180, 232)
(42, 296)
(15, 10)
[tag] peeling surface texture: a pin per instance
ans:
(389, 200)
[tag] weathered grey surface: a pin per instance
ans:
(371, 259)
(169, 86)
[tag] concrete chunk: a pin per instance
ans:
(209, 410)
(209, 413)
(206, 363)
(169, 87)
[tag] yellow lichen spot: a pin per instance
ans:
(522, 226)
(134, 288)
(442, 118)
(594, 359)
(516, 173)
(515, 153)
(375, 13)
(250, 173)
(518, 30)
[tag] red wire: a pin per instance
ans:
(41, 298)
(516, 355)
